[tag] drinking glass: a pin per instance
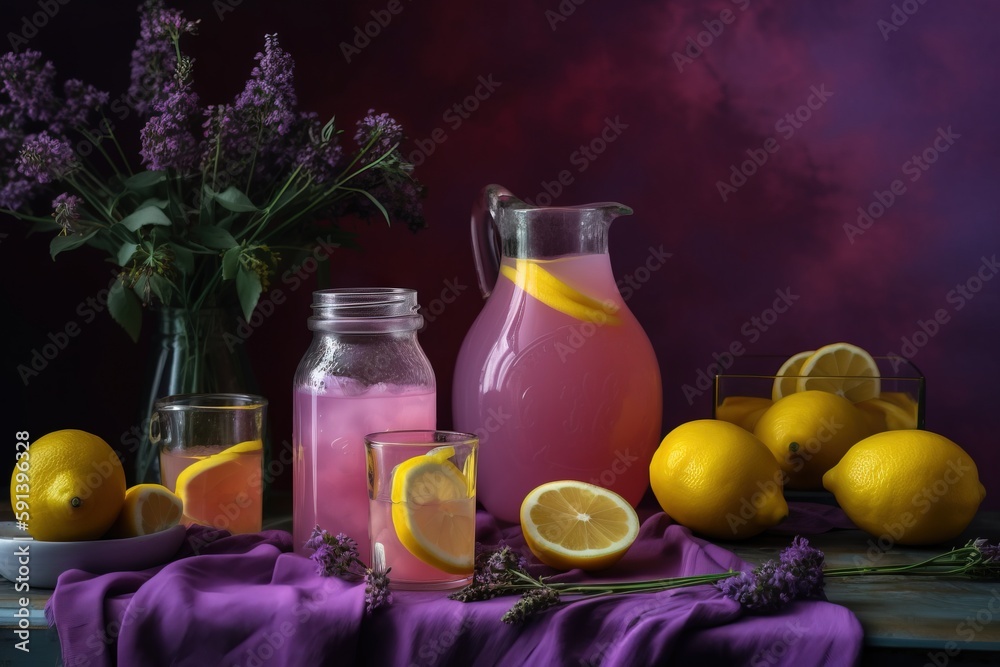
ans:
(422, 506)
(211, 454)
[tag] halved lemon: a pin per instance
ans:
(224, 490)
(529, 275)
(148, 509)
(433, 511)
(785, 380)
(569, 524)
(841, 368)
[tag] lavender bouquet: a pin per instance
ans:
(225, 192)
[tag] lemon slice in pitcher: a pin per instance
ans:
(433, 512)
(530, 276)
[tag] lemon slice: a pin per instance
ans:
(570, 524)
(841, 368)
(534, 279)
(785, 380)
(888, 415)
(434, 513)
(224, 490)
(148, 508)
(744, 411)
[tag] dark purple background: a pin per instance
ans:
(680, 131)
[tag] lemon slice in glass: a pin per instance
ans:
(534, 279)
(433, 511)
(224, 489)
(569, 524)
(841, 368)
(785, 379)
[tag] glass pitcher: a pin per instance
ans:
(556, 376)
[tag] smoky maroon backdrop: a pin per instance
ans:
(801, 173)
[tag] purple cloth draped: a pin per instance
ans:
(245, 600)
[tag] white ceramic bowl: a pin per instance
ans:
(47, 560)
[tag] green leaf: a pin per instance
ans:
(183, 258)
(214, 237)
(126, 309)
(148, 215)
(231, 262)
(161, 287)
(248, 288)
(328, 130)
(68, 242)
(125, 253)
(233, 199)
(158, 203)
(145, 179)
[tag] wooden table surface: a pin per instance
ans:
(906, 620)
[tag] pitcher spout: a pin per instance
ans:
(505, 226)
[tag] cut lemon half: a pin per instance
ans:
(224, 490)
(841, 368)
(569, 524)
(785, 380)
(148, 509)
(534, 279)
(434, 513)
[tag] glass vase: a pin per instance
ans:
(193, 352)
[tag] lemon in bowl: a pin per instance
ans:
(71, 485)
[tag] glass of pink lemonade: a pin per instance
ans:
(422, 506)
(211, 455)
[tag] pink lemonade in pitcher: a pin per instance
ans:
(330, 476)
(559, 381)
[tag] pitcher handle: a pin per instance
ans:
(485, 246)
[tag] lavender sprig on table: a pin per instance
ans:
(337, 556)
(798, 574)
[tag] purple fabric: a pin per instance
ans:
(245, 600)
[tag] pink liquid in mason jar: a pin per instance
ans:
(330, 486)
(554, 397)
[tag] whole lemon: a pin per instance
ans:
(808, 432)
(915, 487)
(71, 484)
(717, 479)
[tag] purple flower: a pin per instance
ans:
(805, 565)
(320, 154)
(767, 587)
(81, 100)
(154, 58)
(29, 84)
(45, 158)
(530, 603)
(377, 592)
(334, 556)
(66, 211)
(167, 140)
(269, 94)
(381, 131)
